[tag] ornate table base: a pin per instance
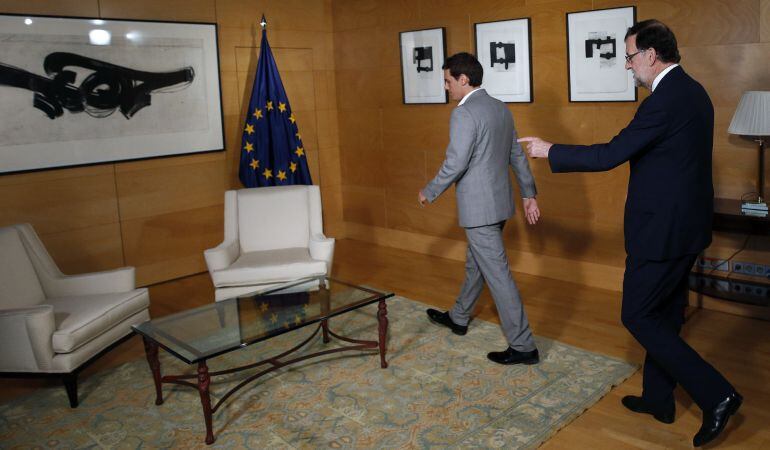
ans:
(204, 376)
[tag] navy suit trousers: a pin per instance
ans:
(654, 300)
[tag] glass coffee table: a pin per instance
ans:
(197, 335)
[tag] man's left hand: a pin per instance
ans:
(531, 211)
(421, 199)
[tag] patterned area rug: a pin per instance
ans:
(439, 391)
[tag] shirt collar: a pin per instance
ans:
(468, 95)
(660, 76)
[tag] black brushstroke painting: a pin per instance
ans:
(423, 58)
(590, 43)
(105, 89)
(509, 53)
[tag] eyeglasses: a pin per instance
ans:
(631, 56)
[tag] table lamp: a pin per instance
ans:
(752, 118)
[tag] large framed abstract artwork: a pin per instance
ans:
(504, 50)
(82, 91)
(596, 50)
(422, 55)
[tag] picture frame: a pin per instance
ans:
(596, 52)
(504, 49)
(79, 91)
(422, 54)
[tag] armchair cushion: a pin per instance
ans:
(19, 284)
(269, 266)
(82, 318)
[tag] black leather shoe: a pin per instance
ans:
(511, 356)
(714, 421)
(636, 404)
(442, 318)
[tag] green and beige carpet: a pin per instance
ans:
(439, 392)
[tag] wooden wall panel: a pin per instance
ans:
(68, 199)
(171, 10)
(99, 247)
(77, 8)
(355, 14)
(723, 45)
(284, 15)
(364, 205)
(727, 71)
(168, 185)
(360, 88)
(325, 91)
(328, 136)
(168, 246)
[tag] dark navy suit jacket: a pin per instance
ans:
(669, 142)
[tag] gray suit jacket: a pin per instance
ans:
(482, 142)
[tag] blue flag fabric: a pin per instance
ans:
(271, 146)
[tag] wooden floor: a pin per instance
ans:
(574, 314)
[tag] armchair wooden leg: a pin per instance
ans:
(71, 385)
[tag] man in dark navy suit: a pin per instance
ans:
(668, 215)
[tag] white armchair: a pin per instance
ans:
(53, 324)
(273, 235)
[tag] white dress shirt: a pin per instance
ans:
(467, 95)
(661, 75)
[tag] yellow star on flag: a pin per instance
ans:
(267, 173)
(249, 147)
(249, 128)
(274, 318)
(281, 106)
(281, 175)
(299, 151)
(269, 106)
(297, 320)
(292, 119)
(299, 136)
(263, 307)
(254, 164)
(258, 113)
(293, 166)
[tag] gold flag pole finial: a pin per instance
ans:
(263, 22)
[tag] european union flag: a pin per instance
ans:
(271, 147)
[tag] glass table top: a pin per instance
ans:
(210, 330)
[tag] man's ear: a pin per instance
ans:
(464, 80)
(653, 55)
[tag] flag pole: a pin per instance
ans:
(263, 23)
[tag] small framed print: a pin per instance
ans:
(504, 49)
(596, 52)
(422, 55)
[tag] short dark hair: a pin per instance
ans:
(465, 64)
(655, 34)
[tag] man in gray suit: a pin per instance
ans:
(482, 143)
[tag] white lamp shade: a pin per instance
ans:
(752, 117)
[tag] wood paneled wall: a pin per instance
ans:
(389, 150)
(160, 214)
(339, 60)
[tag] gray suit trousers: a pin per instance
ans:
(486, 261)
